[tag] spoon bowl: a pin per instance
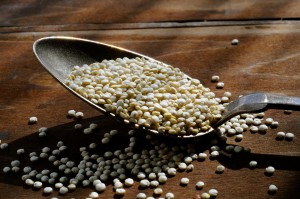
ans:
(59, 54)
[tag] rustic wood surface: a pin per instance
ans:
(267, 59)
(43, 12)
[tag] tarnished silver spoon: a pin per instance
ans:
(58, 54)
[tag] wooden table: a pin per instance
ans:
(192, 35)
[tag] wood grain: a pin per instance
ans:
(267, 59)
(43, 12)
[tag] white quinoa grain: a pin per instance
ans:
(29, 182)
(182, 166)
(252, 163)
(274, 124)
(79, 115)
(15, 163)
(220, 85)
(32, 120)
(34, 158)
(63, 190)
(3, 146)
(43, 129)
(235, 42)
(20, 151)
(141, 196)
(94, 195)
(273, 188)
(71, 113)
(87, 131)
(144, 183)
(105, 140)
(238, 149)
(200, 185)
(184, 181)
(27, 169)
(254, 129)
(158, 191)
(188, 160)
(270, 170)
(213, 192)
(289, 136)
(262, 128)
(58, 185)
(205, 195)
(37, 184)
(118, 184)
(215, 78)
(170, 195)
(93, 126)
(269, 121)
(100, 187)
(6, 169)
(239, 137)
(129, 182)
(71, 187)
(162, 179)
(120, 191)
(42, 134)
(202, 156)
(190, 167)
(257, 121)
(220, 169)
(154, 183)
(48, 190)
(78, 126)
(280, 135)
(172, 171)
(96, 182)
(214, 154)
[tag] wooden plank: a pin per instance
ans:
(267, 59)
(32, 13)
(151, 25)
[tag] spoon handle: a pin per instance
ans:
(257, 102)
(283, 102)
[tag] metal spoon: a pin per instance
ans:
(59, 54)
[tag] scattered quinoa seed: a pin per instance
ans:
(235, 42)
(273, 188)
(200, 185)
(170, 195)
(205, 195)
(184, 181)
(213, 192)
(289, 136)
(220, 85)
(32, 120)
(79, 115)
(48, 190)
(71, 113)
(141, 196)
(252, 164)
(280, 135)
(270, 170)
(3, 146)
(63, 190)
(158, 191)
(220, 169)
(215, 78)
(94, 195)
